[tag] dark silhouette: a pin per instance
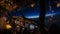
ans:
(54, 29)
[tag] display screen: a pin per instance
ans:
(32, 26)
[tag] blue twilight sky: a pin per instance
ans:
(35, 11)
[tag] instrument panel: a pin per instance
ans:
(20, 22)
(17, 23)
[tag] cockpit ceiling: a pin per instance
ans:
(12, 4)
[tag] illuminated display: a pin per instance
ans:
(8, 26)
(32, 26)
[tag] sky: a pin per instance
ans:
(34, 12)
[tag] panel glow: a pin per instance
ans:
(8, 26)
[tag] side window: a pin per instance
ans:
(52, 12)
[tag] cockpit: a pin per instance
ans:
(29, 16)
